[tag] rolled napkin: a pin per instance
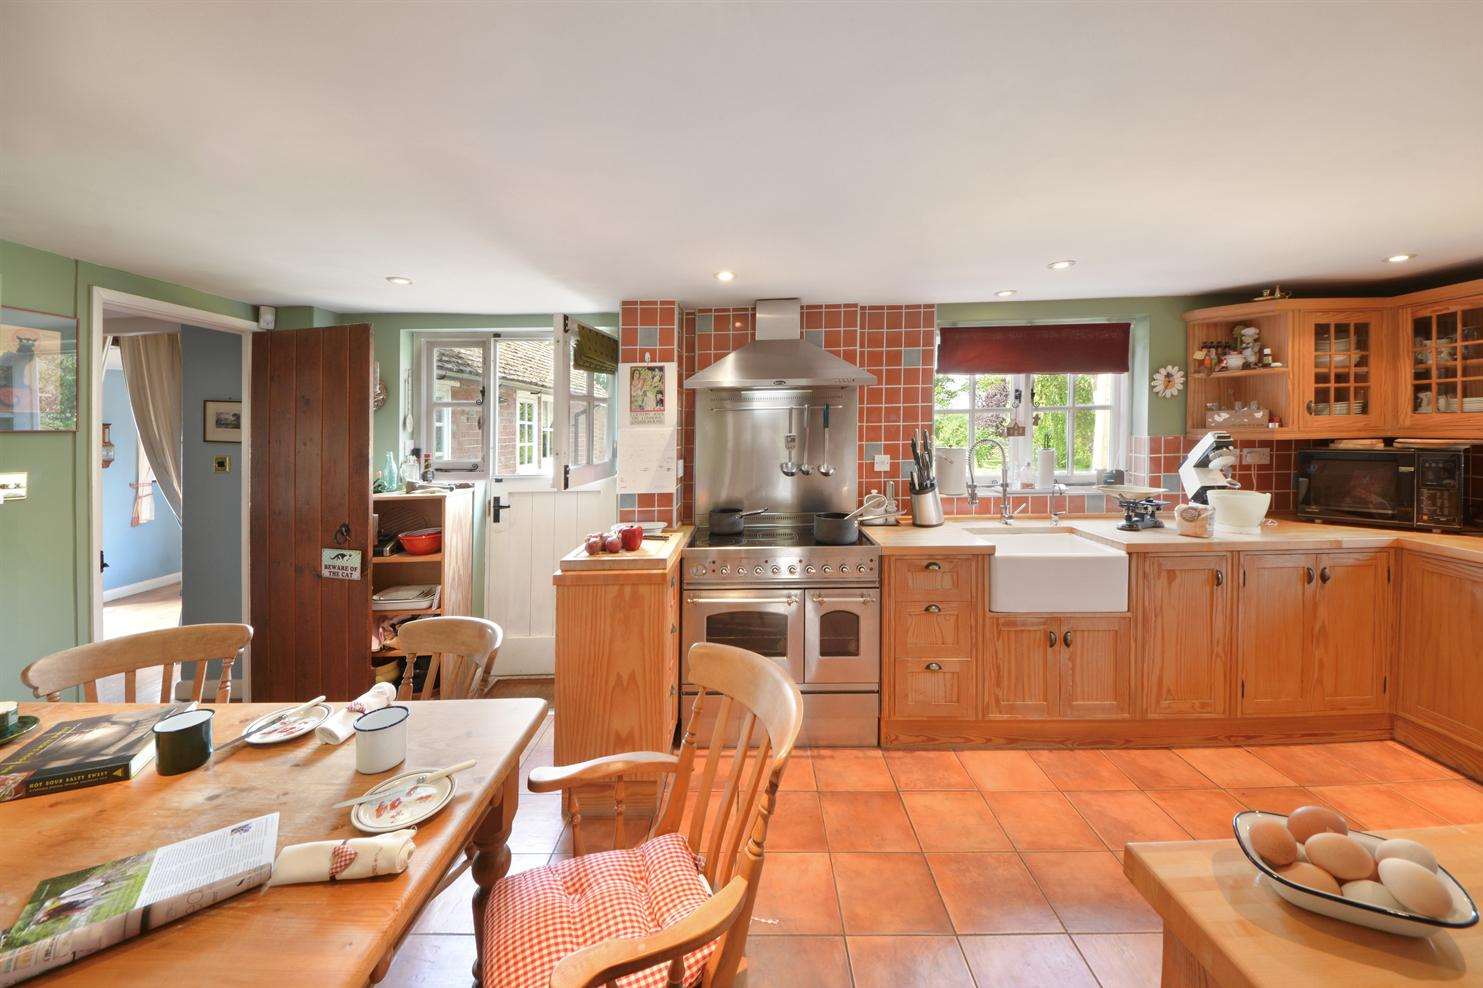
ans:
(344, 860)
(338, 728)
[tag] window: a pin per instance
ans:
(1080, 416)
(527, 428)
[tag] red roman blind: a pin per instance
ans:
(1081, 348)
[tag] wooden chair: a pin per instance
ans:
(463, 649)
(725, 835)
(86, 664)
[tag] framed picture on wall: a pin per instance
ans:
(38, 371)
(223, 422)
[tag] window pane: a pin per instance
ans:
(1093, 441)
(1104, 389)
(839, 634)
(525, 365)
(581, 416)
(1050, 390)
(950, 391)
(990, 424)
(950, 429)
(602, 384)
(457, 435)
(1049, 432)
(458, 372)
(991, 391)
(600, 447)
(1084, 387)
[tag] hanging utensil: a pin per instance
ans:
(826, 469)
(790, 443)
(804, 467)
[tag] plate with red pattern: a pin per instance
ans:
(405, 810)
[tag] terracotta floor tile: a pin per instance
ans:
(724, 767)
(798, 774)
(867, 821)
(1205, 814)
(796, 895)
(1455, 800)
(1377, 807)
(1004, 770)
(538, 824)
(432, 961)
(1081, 770)
(991, 893)
(927, 770)
(1157, 768)
(1043, 960)
(1088, 891)
(895, 962)
(1120, 817)
(797, 824)
(1310, 764)
(453, 910)
(1279, 799)
(1124, 960)
(851, 768)
(1231, 767)
(954, 821)
(1042, 821)
(888, 893)
(1389, 761)
(786, 962)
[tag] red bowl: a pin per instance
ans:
(422, 542)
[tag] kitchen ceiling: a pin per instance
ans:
(528, 158)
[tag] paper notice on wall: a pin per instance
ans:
(647, 460)
(646, 395)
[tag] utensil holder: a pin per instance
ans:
(926, 510)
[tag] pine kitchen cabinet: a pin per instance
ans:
(1059, 666)
(931, 612)
(1440, 706)
(1184, 634)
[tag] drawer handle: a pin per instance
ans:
(1066, 639)
(1052, 635)
(934, 667)
(934, 567)
(1323, 574)
(932, 609)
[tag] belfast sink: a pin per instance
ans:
(1054, 572)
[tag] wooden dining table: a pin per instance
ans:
(321, 935)
(1224, 925)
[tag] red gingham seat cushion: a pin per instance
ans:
(537, 917)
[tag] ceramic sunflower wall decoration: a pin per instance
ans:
(1168, 381)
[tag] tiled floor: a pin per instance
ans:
(986, 867)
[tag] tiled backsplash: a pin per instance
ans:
(1154, 461)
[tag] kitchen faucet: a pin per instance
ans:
(1058, 488)
(973, 497)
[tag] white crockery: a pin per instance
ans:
(381, 739)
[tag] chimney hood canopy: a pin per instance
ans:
(779, 357)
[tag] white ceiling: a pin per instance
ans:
(565, 156)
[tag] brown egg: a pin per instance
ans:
(1273, 843)
(1305, 821)
(1310, 876)
(1343, 857)
(1398, 847)
(1418, 889)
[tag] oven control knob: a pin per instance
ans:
(844, 568)
(698, 569)
(776, 571)
(792, 570)
(809, 570)
(827, 568)
(757, 570)
(725, 570)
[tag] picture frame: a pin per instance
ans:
(38, 371)
(222, 421)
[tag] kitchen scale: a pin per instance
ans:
(1140, 505)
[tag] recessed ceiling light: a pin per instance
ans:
(1005, 293)
(725, 275)
(1399, 258)
(397, 279)
(1061, 265)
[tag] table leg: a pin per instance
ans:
(491, 858)
(1182, 969)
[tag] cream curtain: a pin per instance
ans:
(152, 370)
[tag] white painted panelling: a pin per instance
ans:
(524, 548)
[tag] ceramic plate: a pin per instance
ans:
(402, 811)
(293, 727)
(1463, 915)
(24, 724)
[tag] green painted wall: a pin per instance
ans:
(45, 571)
(1158, 339)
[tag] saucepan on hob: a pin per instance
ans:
(839, 528)
(730, 521)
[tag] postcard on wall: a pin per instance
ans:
(648, 398)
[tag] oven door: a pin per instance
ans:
(842, 637)
(1378, 487)
(768, 622)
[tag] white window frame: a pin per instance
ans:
(567, 476)
(429, 425)
(527, 453)
(1019, 448)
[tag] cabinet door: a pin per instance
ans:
(1184, 634)
(1338, 367)
(671, 684)
(1096, 667)
(936, 689)
(1441, 370)
(1023, 667)
(1274, 622)
(1441, 640)
(1350, 630)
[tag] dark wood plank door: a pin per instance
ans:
(311, 490)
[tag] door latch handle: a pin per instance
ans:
(342, 534)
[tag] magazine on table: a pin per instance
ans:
(71, 916)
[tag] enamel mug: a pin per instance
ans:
(381, 739)
(183, 741)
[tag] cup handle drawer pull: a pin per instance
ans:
(934, 667)
(1053, 639)
(1323, 575)
(1066, 639)
(933, 567)
(932, 609)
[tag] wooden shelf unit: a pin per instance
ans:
(451, 569)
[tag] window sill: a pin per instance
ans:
(987, 491)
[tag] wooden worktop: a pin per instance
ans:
(652, 555)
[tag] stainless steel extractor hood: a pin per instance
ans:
(780, 357)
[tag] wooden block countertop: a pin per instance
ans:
(652, 555)
(963, 535)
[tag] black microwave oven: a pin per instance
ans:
(1438, 488)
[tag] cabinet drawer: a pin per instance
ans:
(934, 577)
(929, 629)
(936, 688)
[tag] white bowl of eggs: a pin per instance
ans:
(1313, 860)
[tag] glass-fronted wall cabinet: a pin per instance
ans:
(1444, 365)
(1341, 356)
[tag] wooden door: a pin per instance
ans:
(1351, 630)
(1339, 361)
(1096, 667)
(1184, 634)
(1274, 623)
(1441, 640)
(1023, 667)
(311, 490)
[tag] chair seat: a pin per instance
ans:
(537, 917)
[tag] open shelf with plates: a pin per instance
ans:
(451, 568)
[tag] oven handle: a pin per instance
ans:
(863, 598)
(789, 600)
